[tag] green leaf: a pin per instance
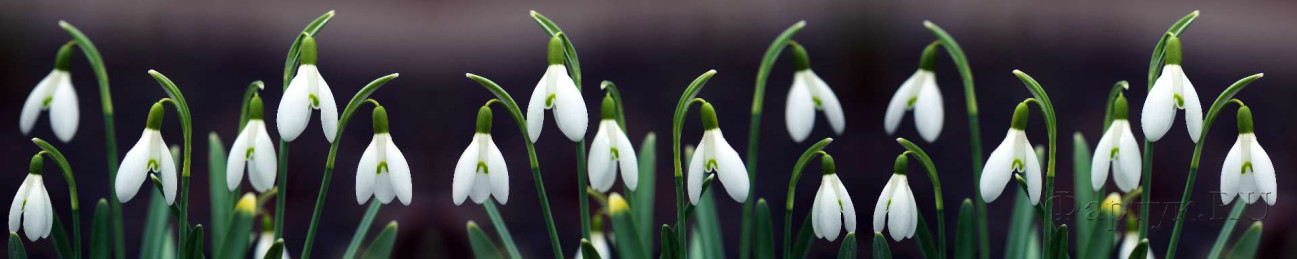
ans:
(195, 240)
(383, 243)
(881, 250)
(290, 63)
(276, 250)
(805, 238)
(966, 231)
(16, 249)
(923, 235)
(1059, 246)
(168, 250)
(59, 237)
(588, 251)
(975, 141)
(625, 234)
(101, 231)
(362, 229)
(669, 242)
(642, 199)
(155, 227)
(848, 249)
(1226, 230)
(221, 197)
(1155, 63)
(1086, 196)
(1020, 226)
(1247, 244)
(501, 229)
(237, 238)
(708, 225)
(763, 235)
(1140, 251)
(481, 243)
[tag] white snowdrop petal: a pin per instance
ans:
(829, 104)
(1159, 109)
(234, 164)
(628, 160)
(294, 110)
(34, 215)
(465, 168)
(168, 173)
(265, 166)
(1247, 187)
(367, 173)
(264, 241)
(900, 102)
(816, 225)
(16, 208)
(913, 212)
(36, 102)
(998, 170)
(64, 111)
(1266, 184)
(880, 207)
(929, 115)
(536, 109)
(830, 216)
(133, 170)
(1033, 174)
(569, 109)
(1102, 158)
(481, 188)
(730, 169)
(898, 216)
(328, 110)
(383, 188)
(1192, 109)
(49, 211)
(1230, 172)
(695, 177)
(799, 109)
(600, 161)
(399, 169)
(848, 208)
(1129, 162)
(499, 173)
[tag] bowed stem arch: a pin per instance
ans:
(1154, 71)
(754, 129)
(290, 69)
(683, 206)
(811, 153)
(1045, 209)
(49, 150)
(1221, 101)
(512, 106)
(181, 209)
(914, 150)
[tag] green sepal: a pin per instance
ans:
(156, 113)
(308, 49)
(1244, 121)
(928, 60)
(708, 114)
(256, 109)
(1172, 56)
(827, 166)
(63, 61)
(484, 119)
(556, 52)
(37, 165)
(380, 120)
(1020, 115)
(902, 165)
(801, 61)
(609, 109)
(1120, 110)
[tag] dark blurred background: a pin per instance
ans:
(651, 49)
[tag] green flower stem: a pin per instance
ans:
(806, 157)
(110, 132)
(516, 113)
(54, 153)
(574, 71)
(616, 97)
(754, 129)
(1225, 231)
(677, 125)
(931, 168)
(1155, 70)
(362, 229)
(974, 130)
(353, 105)
(177, 100)
(252, 90)
(505, 237)
(290, 70)
(1051, 125)
(1216, 107)
(1112, 98)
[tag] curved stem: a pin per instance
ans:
(806, 157)
(1051, 125)
(1112, 98)
(362, 229)
(974, 129)
(49, 150)
(931, 168)
(177, 100)
(1155, 70)
(616, 97)
(353, 105)
(1216, 107)
(574, 71)
(290, 69)
(110, 132)
(754, 128)
(247, 98)
(677, 125)
(505, 237)
(516, 113)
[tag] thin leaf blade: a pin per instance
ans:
(383, 243)
(101, 231)
(966, 231)
(1247, 244)
(481, 243)
(881, 250)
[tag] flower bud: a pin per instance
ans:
(902, 164)
(826, 164)
(38, 164)
(1020, 115)
(307, 51)
(1120, 111)
(609, 110)
(1171, 52)
(709, 117)
(484, 119)
(380, 120)
(801, 61)
(556, 51)
(256, 109)
(64, 59)
(1244, 120)
(928, 61)
(156, 113)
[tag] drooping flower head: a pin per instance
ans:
(833, 208)
(808, 94)
(150, 154)
(919, 93)
(1247, 171)
(254, 149)
(1118, 149)
(611, 149)
(896, 206)
(383, 172)
(1015, 154)
(306, 93)
(1172, 91)
(714, 154)
(31, 209)
(56, 94)
(557, 91)
(481, 171)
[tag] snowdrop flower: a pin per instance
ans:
(305, 93)
(1013, 155)
(896, 205)
(1128, 244)
(557, 91)
(32, 207)
(264, 242)
(55, 93)
(481, 171)
(832, 205)
(150, 154)
(1171, 91)
(383, 171)
(253, 147)
(1247, 171)
(600, 244)
(1119, 149)
(919, 93)
(810, 93)
(714, 154)
(611, 149)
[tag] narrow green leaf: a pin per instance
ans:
(708, 225)
(669, 249)
(1059, 246)
(501, 229)
(588, 251)
(362, 229)
(1227, 229)
(848, 249)
(168, 246)
(195, 240)
(290, 63)
(624, 223)
(1247, 244)
(1020, 226)
(481, 243)
(881, 251)
(155, 227)
(221, 197)
(763, 242)
(1086, 196)
(805, 238)
(59, 236)
(1140, 251)
(966, 231)
(101, 231)
(923, 235)
(276, 250)
(16, 249)
(1100, 243)
(642, 199)
(237, 238)
(383, 243)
